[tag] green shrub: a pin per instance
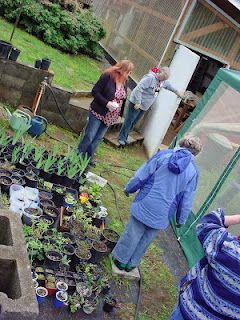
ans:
(72, 32)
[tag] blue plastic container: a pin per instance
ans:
(61, 297)
(40, 296)
(38, 126)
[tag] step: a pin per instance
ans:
(132, 275)
(111, 137)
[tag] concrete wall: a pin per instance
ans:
(19, 83)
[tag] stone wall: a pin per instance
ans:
(19, 83)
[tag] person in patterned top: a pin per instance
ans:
(109, 94)
(211, 289)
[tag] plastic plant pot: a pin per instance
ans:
(61, 286)
(51, 287)
(41, 293)
(35, 284)
(109, 304)
(61, 297)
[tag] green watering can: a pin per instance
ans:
(19, 120)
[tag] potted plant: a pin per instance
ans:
(58, 195)
(61, 286)
(48, 220)
(110, 237)
(5, 183)
(53, 259)
(51, 211)
(98, 250)
(74, 302)
(68, 250)
(89, 306)
(69, 200)
(50, 284)
(31, 180)
(41, 293)
(31, 214)
(109, 304)
(61, 296)
(46, 203)
(84, 289)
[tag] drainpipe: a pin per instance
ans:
(175, 28)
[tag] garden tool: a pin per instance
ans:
(19, 120)
(38, 126)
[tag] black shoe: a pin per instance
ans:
(119, 265)
(92, 164)
(128, 268)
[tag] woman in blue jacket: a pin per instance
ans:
(109, 94)
(167, 184)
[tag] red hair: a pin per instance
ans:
(120, 71)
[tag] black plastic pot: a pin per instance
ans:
(57, 179)
(46, 203)
(32, 169)
(108, 306)
(14, 54)
(5, 173)
(5, 48)
(57, 197)
(37, 64)
(67, 182)
(69, 250)
(5, 183)
(31, 180)
(71, 238)
(23, 164)
(45, 64)
(18, 180)
(97, 222)
(47, 176)
(53, 259)
(28, 216)
(51, 212)
(44, 195)
(109, 242)
(18, 172)
(47, 219)
(78, 259)
(98, 254)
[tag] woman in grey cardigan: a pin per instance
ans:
(142, 98)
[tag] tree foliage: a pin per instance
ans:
(68, 30)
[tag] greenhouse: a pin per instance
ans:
(216, 121)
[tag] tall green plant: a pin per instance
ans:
(18, 135)
(47, 164)
(15, 153)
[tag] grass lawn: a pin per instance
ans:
(159, 292)
(75, 72)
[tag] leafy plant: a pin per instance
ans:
(4, 139)
(27, 148)
(15, 153)
(62, 28)
(17, 136)
(47, 164)
(61, 166)
(38, 154)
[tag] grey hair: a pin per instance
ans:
(165, 72)
(192, 143)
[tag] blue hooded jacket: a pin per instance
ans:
(167, 184)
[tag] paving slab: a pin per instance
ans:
(132, 275)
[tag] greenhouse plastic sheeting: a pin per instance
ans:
(216, 121)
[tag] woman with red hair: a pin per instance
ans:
(109, 94)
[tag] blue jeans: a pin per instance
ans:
(176, 314)
(134, 242)
(93, 134)
(131, 118)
